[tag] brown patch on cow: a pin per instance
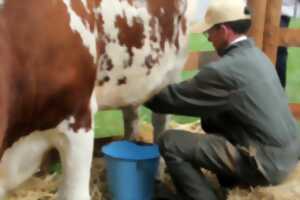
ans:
(109, 64)
(52, 74)
(122, 81)
(101, 45)
(106, 63)
(184, 25)
(100, 23)
(150, 61)
(153, 31)
(103, 80)
(100, 82)
(87, 16)
(83, 119)
(4, 91)
(166, 19)
(130, 2)
(94, 3)
(184, 29)
(130, 35)
(106, 78)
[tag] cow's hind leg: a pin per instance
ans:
(22, 160)
(76, 150)
(131, 121)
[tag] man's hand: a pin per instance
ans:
(145, 135)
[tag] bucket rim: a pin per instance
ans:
(129, 150)
(130, 159)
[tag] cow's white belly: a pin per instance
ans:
(139, 86)
(143, 69)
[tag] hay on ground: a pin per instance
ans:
(45, 188)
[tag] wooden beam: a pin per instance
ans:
(258, 13)
(272, 29)
(289, 37)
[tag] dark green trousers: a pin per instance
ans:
(185, 153)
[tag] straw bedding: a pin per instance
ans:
(45, 187)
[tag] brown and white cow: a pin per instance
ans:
(149, 55)
(51, 54)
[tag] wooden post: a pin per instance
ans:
(289, 37)
(295, 108)
(272, 28)
(258, 13)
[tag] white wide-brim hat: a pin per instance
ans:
(220, 11)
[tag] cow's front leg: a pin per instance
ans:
(131, 121)
(76, 150)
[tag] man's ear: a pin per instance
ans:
(225, 30)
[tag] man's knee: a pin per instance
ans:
(165, 141)
(178, 145)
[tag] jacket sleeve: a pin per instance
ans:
(205, 94)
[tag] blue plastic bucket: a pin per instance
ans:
(131, 169)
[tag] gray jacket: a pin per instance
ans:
(242, 89)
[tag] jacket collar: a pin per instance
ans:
(242, 43)
(239, 39)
